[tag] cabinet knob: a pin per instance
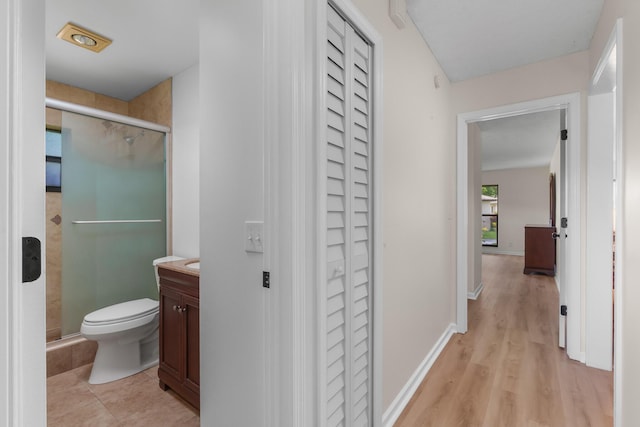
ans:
(182, 309)
(176, 307)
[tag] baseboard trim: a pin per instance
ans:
(394, 410)
(582, 357)
(501, 252)
(476, 293)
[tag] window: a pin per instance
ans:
(490, 215)
(53, 150)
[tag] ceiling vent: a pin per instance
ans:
(83, 37)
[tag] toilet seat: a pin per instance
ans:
(123, 312)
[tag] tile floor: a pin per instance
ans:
(133, 401)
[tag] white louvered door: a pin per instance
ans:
(348, 340)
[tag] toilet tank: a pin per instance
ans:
(160, 261)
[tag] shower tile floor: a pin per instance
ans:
(133, 401)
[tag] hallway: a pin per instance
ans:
(508, 369)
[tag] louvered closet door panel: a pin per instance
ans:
(359, 235)
(347, 325)
(336, 255)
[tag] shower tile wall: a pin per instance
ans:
(54, 265)
(79, 96)
(153, 105)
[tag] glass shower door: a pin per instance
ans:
(113, 214)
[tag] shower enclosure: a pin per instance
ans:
(113, 214)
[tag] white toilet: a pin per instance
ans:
(127, 336)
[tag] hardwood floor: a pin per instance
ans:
(508, 369)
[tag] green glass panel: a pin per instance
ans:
(111, 171)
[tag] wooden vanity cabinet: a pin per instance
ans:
(539, 249)
(179, 367)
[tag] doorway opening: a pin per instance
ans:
(569, 254)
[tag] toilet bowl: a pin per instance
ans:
(127, 336)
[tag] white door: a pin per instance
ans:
(599, 243)
(346, 338)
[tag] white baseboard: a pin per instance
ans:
(476, 293)
(394, 410)
(502, 252)
(582, 357)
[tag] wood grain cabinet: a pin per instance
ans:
(179, 367)
(539, 249)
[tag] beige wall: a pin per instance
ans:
(540, 80)
(418, 193)
(523, 198)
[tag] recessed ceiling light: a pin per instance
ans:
(82, 37)
(85, 40)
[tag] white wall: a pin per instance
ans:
(631, 212)
(185, 166)
(231, 192)
(418, 189)
(523, 198)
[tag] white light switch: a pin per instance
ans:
(253, 236)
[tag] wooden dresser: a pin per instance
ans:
(179, 367)
(539, 249)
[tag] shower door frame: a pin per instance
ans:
(130, 121)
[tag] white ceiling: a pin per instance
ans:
(156, 39)
(471, 38)
(519, 142)
(152, 41)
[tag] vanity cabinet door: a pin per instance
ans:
(171, 326)
(192, 336)
(180, 334)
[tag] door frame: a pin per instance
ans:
(604, 81)
(22, 332)
(572, 103)
(293, 34)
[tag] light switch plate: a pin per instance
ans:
(253, 236)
